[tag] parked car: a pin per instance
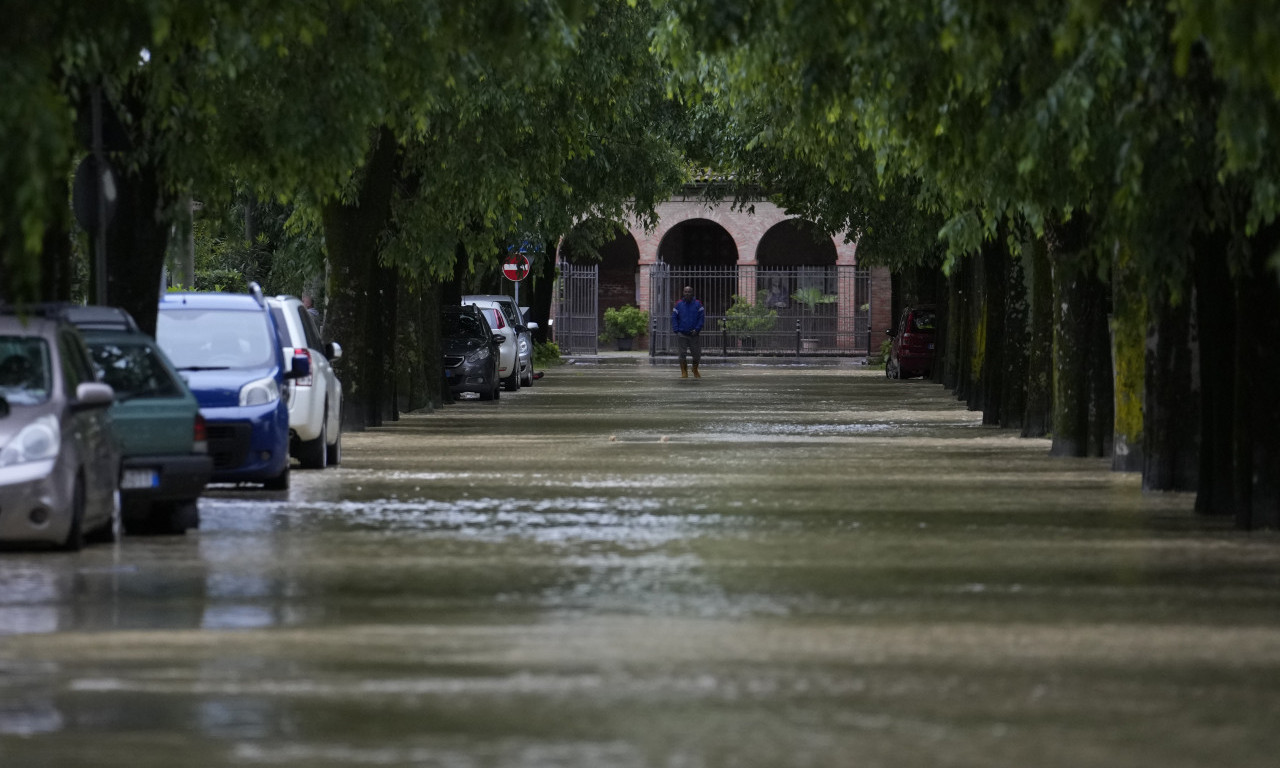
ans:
(912, 347)
(471, 352)
(227, 346)
(515, 317)
(315, 401)
(59, 460)
(156, 420)
(508, 350)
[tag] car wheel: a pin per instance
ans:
(278, 483)
(181, 516)
(313, 453)
(334, 451)
(75, 534)
(108, 531)
(512, 382)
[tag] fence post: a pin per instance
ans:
(653, 337)
(797, 337)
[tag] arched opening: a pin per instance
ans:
(796, 243)
(700, 254)
(795, 256)
(698, 243)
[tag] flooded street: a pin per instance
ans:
(766, 567)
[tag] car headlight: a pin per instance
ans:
(41, 439)
(260, 392)
(477, 355)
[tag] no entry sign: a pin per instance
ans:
(515, 268)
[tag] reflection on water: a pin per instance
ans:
(765, 568)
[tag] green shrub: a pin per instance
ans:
(745, 318)
(626, 322)
(546, 354)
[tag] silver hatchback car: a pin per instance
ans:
(512, 316)
(59, 459)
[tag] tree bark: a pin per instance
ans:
(1257, 407)
(543, 289)
(1039, 382)
(1128, 343)
(1216, 327)
(1071, 338)
(1013, 395)
(1170, 426)
(1101, 373)
(56, 268)
(136, 243)
(995, 272)
(352, 233)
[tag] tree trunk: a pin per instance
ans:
(1101, 373)
(136, 242)
(1128, 344)
(543, 289)
(383, 312)
(1216, 334)
(418, 353)
(352, 233)
(56, 268)
(950, 355)
(1039, 382)
(1072, 335)
(961, 334)
(1257, 406)
(1013, 395)
(995, 272)
(976, 338)
(1171, 424)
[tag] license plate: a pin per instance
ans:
(931, 346)
(448, 374)
(140, 478)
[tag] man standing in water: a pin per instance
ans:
(687, 319)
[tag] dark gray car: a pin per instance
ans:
(516, 319)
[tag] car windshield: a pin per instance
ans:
(922, 321)
(25, 373)
(457, 325)
(202, 339)
(132, 369)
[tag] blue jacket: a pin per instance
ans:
(688, 316)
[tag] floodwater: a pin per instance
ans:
(767, 567)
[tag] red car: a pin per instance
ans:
(911, 352)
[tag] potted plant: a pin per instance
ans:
(745, 318)
(811, 296)
(623, 324)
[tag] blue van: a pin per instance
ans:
(225, 346)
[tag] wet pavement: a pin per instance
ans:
(792, 566)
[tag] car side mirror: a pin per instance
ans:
(531, 326)
(93, 394)
(300, 368)
(333, 350)
(889, 333)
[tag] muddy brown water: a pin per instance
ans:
(781, 566)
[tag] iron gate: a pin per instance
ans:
(768, 311)
(576, 331)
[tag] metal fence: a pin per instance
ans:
(577, 291)
(768, 311)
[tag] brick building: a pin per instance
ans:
(729, 254)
